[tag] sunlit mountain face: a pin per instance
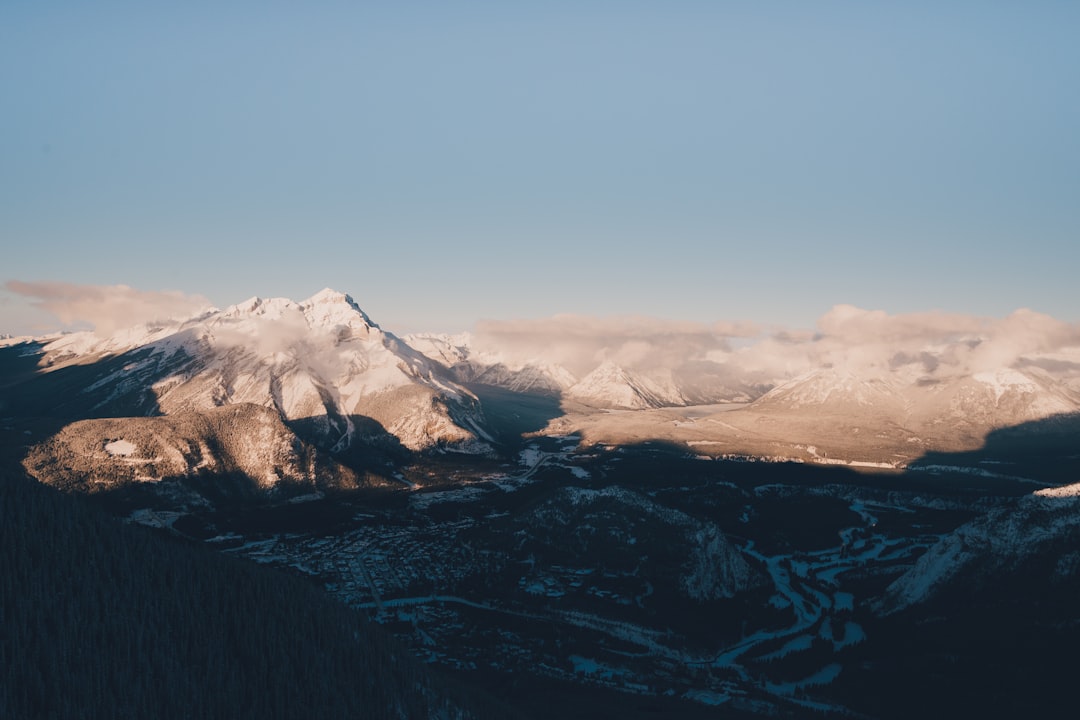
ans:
(638, 515)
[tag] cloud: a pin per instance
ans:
(106, 308)
(927, 344)
(918, 346)
(1023, 334)
(581, 343)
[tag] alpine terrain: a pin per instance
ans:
(641, 530)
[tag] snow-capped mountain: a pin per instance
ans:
(328, 369)
(447, 350)
(835, 392)
(539, 378)
(613, 386)
(608, 386)
(932, 404)
(1005, 396)
(456, 354)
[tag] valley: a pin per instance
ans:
(642, 570)
(684, 541)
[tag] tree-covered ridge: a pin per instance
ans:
(100, 619)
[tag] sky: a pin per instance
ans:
(449, 163)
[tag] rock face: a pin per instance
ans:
(322, 364)
(248, 442)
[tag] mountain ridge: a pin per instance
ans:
(321, 361)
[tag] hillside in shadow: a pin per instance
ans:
(1046, 450)
(512, 414)
(107, 620)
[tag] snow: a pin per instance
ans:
(121, 448)
(530, 456)
(824, 676)
(853, 635)
(12, 340)
(1006, 380)
(798, 643)
(1065, 491)
(821, 460)
(965, 470)
(584, 665)
(707, 697)
(612, 386)
(321, 358)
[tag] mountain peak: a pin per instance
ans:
(327, 308)
(613, 386)
(329, 296)
(333, 307)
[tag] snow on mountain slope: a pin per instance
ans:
(455, 352)
(837, 392)
(615, 387)
(322, 363)
(998, 398)
(528, 378)
(973, 402)
(447, 350)
(1043, 524)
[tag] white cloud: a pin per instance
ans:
(931, 343)
(581, 343)
(106, 308)
(847, 337)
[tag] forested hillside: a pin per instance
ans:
(100, 619)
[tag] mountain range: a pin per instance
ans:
(434, 478)
(333, 386)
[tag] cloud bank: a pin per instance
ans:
(106, 308)
(581, 343)
(867, 342)
(916, 346)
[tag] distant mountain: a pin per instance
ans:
(613, 386)
(997, 398)
(835, 392)
(340, 382)
(466, 365)
(608, 386)
(942, 405)
(331, 373)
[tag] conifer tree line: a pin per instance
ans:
(102, 619)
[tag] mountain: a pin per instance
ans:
(613, 386)
(944, 406)
(1040, 529)
(332, 374)
(992, 399)
(247, 442)
(829, 391)
(608, 386)
(467, 365)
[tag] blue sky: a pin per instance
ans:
(446, 162)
